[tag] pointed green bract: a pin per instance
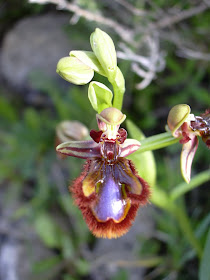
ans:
(104, 49)
(74, 71)
(100, 96)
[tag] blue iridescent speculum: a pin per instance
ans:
(109, 191)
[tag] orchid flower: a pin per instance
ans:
(188, 127)
(109, 191)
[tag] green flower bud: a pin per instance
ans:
(74, 71)
(104, 49)
(100, 96)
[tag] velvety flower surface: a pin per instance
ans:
(109, 190)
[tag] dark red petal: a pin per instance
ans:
(96, 135)
(206, 140)
(185, 138)
(122, 135)
(185, 133)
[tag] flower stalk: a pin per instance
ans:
(156, 142)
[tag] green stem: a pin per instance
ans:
(157, 142)
(195, 182)
(186, 228)
(118, 84)
(118, 96)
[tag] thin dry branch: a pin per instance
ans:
(145, 66)
(131, 8)
(148, 65)
(124, 32)
(193, 54)
(182, 15)
(128, 54)
(186, 48)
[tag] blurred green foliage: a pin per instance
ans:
(28, 160)
(34, 174)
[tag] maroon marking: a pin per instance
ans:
(96, 135)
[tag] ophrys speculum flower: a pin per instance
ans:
(109, 190)
(188, 128)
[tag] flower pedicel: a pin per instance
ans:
(109, 190)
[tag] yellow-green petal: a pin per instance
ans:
(104, 49)
(74, 71)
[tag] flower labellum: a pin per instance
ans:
(109, 191)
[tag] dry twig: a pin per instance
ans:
(124, 32)
(167, 21)
(145, 66)
(131, 8)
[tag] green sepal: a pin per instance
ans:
(104, 49)
(89, 59)
(119, 89)
(74, 71)
(119, 81)
(100, 96)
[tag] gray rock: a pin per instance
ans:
(34, 44)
